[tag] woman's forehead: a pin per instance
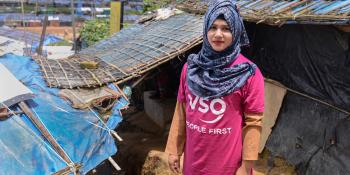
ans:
(220, 22)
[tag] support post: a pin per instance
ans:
(73, 25)
(116, 16)
(39, 50)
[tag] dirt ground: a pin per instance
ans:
(65, 32)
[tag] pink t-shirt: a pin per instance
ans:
(214, 127)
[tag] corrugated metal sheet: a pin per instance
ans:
(127, 54)
(296, 11)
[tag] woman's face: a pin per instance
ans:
(219, 35)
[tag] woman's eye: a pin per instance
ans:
(226, 29)
(212, 28)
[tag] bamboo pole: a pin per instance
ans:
(22, 7)
(94, 9)
(73, 25)
(36, 7)
(7, 114)
(24, 107)
(24, 25)
(140, 80)
(114, 164)
(42, 37)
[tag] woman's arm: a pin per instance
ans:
(177, 137)
(251, 140)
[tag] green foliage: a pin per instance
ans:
(150, 5)
(126, 25)
(94, 31)
(62, 43)
(133, 12)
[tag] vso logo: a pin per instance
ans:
(205, 105)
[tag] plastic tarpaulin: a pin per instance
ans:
(14, 91)
(83, 136)
(23, 152)
(311, 59)
(29, 37)
(311, 136)
(49, 39)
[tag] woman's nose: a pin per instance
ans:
(218, 33)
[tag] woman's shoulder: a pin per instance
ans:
(241, 59)
(184, 68)
(184, 71)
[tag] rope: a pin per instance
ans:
(308, 96)
(32, 132)
(72, 168)
(70, 164)
(109, 130)
(71, 161)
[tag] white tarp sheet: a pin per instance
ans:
(12, 91)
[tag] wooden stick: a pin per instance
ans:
(139, 80)
(116, 135)
(73, 25)
(6, 114)
(45, 132)
(42, 37)
(121, 92)
(115, 165)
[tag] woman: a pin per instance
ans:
(217, 119)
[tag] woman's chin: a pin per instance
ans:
(219, 49)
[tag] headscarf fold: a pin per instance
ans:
(208, 72)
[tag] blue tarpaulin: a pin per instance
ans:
(28, 37)
(49, 39)
(82, 134)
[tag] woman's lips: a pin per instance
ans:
(218, 42)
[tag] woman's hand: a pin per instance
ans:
(245, 168)
(174, 163)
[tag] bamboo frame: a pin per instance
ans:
(276, 14)
(130, 59)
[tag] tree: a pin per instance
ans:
(94, 31)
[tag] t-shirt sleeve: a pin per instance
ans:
(181, 92)
(254, 94)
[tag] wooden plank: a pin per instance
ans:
(274, 96)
